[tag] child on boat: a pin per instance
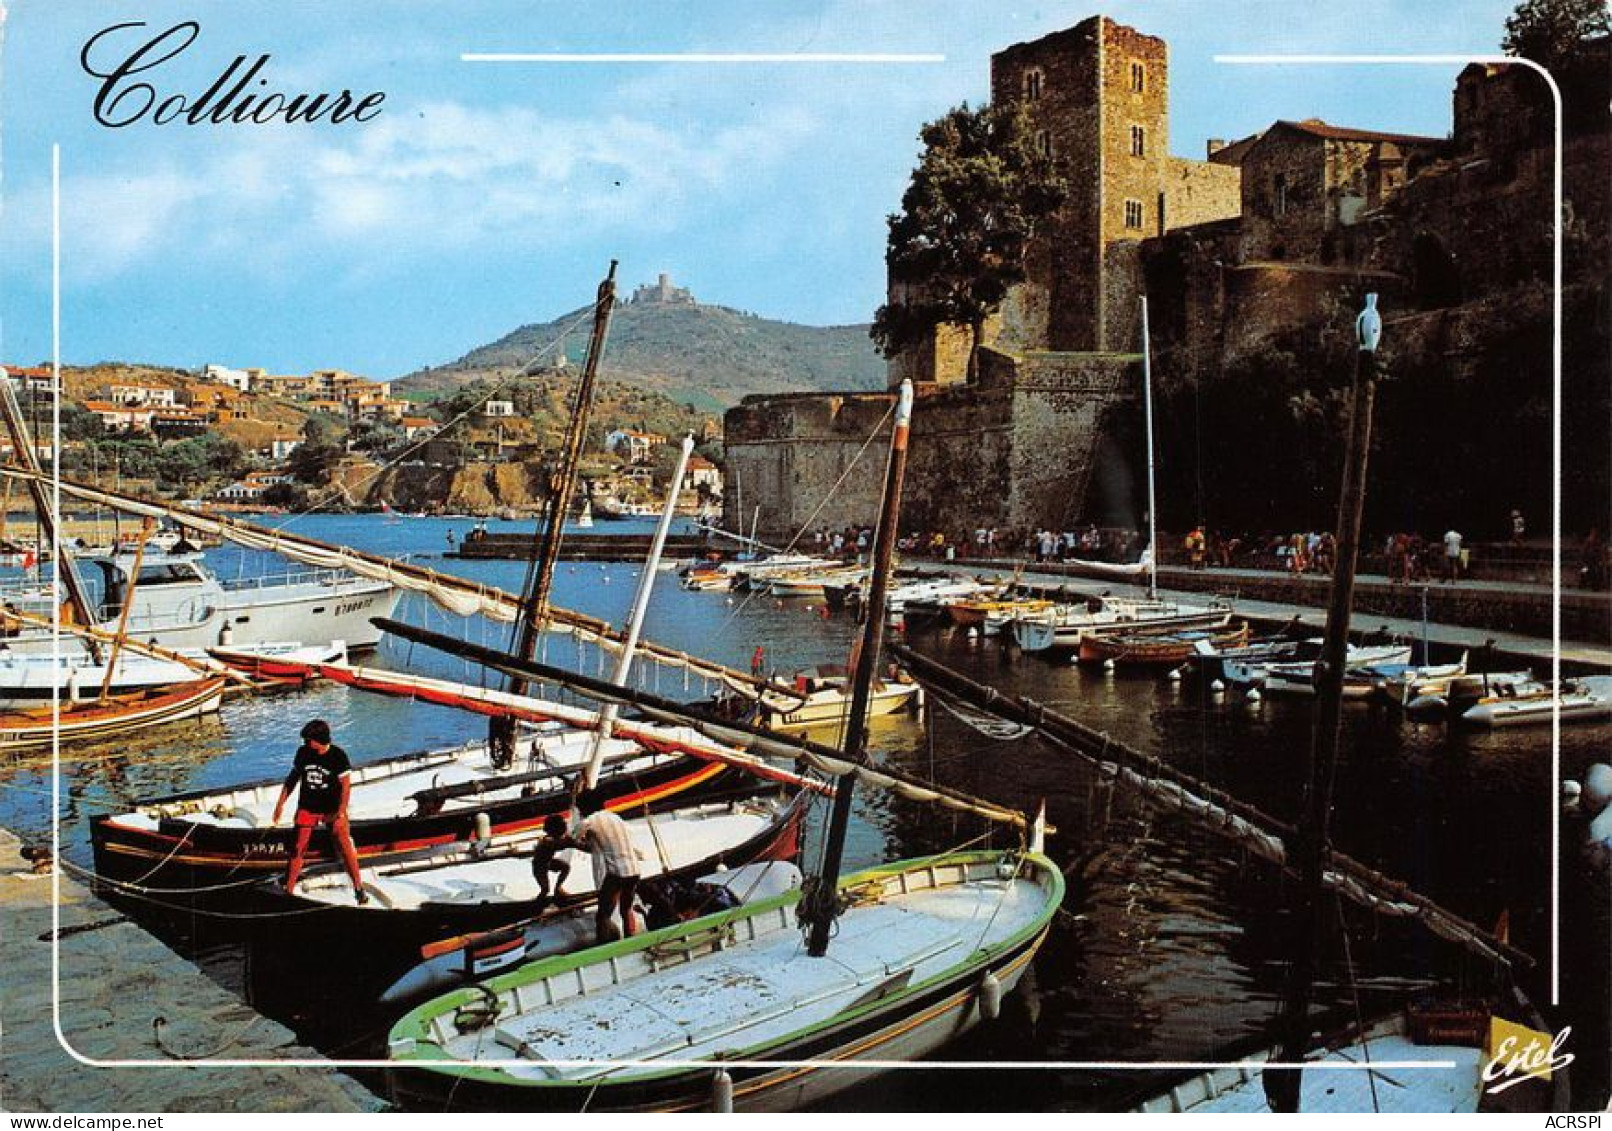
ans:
(545, 861)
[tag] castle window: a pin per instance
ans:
(1032, 83)
(1133, 214)
(1043, 143)
(1279, 196)
(1138, 142)
(1138, 77)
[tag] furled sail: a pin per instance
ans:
(753, 739)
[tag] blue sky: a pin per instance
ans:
(484, 196)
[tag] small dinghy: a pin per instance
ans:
(1587, 699)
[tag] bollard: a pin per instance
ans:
(722, 1092)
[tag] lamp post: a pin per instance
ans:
(1310, 847)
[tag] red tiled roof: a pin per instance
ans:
(1317, 128)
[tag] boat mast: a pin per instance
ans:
(1310, 848)
(66, 566)
(501, 732)
(1152, 508)
(820, 906)
(640, 605)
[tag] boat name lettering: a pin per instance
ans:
(262, 848)
(122, 101)
(353, 606)
(1513, 1061)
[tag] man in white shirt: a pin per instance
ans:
(1452, 555)
(615, 864)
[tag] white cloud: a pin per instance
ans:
(450, 177)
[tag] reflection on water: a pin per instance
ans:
(1170, 940)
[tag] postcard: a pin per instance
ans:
(823, 556)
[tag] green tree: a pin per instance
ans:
(1551, 32)
(976, 199)
(1558, 35)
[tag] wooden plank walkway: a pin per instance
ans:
(116, 980)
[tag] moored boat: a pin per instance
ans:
(1061, 628)
(97, 720)
(442, 964)
(915, 964)
(988, 614)
(397, 805)
(1299, 678)
(179, 603)
(822, 698)
(1157, 648)
(479, 884)
(1586, 699)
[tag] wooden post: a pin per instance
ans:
(1310, 847)
(128, 606)
(501, 732)
(824, 897)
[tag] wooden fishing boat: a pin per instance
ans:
(97, 720)
(1299, 678)
(822, 698)
(289, 663)
(926, 950)
(1587, 699)
(810, 583)
(1061, 628)
(443, 964)
(475, 884)
(990, 613)
(397, 805)
(1157, 648)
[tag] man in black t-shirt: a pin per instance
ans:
(319, 774)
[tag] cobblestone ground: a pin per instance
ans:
(116, 981)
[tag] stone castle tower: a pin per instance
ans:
(1099, 101)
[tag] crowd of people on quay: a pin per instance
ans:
(1405, 557)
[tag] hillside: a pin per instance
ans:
(707, 356)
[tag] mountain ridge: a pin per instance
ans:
(706, 355)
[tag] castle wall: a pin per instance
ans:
(1199, 192)
(1061, 405)
(805, 460)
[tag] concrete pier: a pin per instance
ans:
(116, 980)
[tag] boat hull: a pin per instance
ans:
(178, 852)
(92, 722)
(802, 1068)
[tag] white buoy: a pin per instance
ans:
(1108, 665)
(990, 997)
(1174, 676)
(1597, 788)
(1254, 696)
(1570, 794)
(484, 827)
(722, 1092)
(1217, 686)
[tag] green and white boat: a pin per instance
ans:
(730, 1009)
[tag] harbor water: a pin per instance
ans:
(1171, 941)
